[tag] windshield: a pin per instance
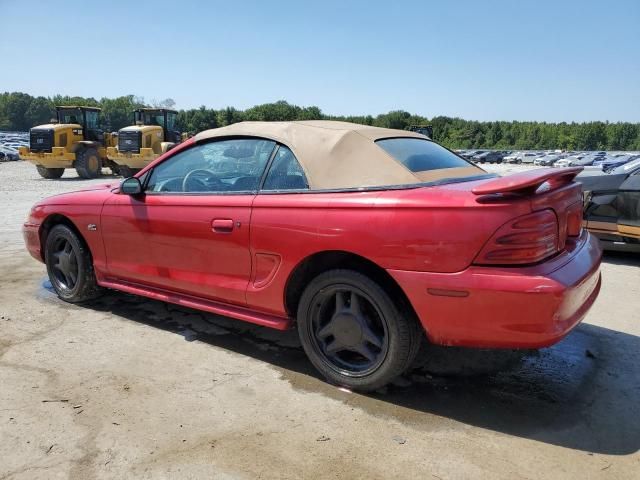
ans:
(70, 116)
(155, 118)
(150, 118)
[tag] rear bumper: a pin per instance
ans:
(31, 235)
(507, 307)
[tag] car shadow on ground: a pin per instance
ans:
(581, 393)
(622, 258)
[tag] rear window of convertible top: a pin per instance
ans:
(421, 155)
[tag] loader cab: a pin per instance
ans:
(87, 117)
(426, 130)
(162, 117)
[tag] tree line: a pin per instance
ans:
(20, 111)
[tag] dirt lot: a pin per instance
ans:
(132, 388)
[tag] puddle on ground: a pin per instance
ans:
(46, 291)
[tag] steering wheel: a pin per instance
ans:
(192, 176)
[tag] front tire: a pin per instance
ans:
(88, 163)
(49, 173)
(69, 266)
(353, 332)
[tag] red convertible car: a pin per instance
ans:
(366, 239)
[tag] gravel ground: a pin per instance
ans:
(133, 388)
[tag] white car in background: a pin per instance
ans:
(547, 160)
(512, 157)
(533, 156)
(573, 159)
(521, 157)
(565, 162)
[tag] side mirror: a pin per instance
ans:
(131, 186)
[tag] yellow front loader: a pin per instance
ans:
(153, 133)
(74, 140)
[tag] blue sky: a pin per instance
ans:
(487, 60)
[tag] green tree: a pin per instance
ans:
(41, 110)
(228, 116)
(396, 119)
(118, 112)
(20, 111)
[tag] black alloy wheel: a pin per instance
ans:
(65, 263)
(348, 330)
(354, 333)
(70, 266)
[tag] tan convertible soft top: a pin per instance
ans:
(337, 155)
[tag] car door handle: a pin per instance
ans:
(222, 225)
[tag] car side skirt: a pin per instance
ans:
(244, 314)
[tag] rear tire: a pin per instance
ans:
(69, 266)
(127, 172)
(49, 173)
(88, 163)
(353, 332)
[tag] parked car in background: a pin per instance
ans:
(573, 158)
(512, 157)
(547, 160)
(564, 162)
(469, 154)
(489, 157)
(616, 161)
(13, 145)
(528, 157)
(9, 153)
(612, 205)
(589, 159)
(601, 159)
(372, 241)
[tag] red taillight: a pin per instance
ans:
(574, 220)
(527, 239)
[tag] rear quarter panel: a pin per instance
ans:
(436, 229)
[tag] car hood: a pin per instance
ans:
(89, 195)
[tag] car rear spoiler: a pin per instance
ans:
(526, 183)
